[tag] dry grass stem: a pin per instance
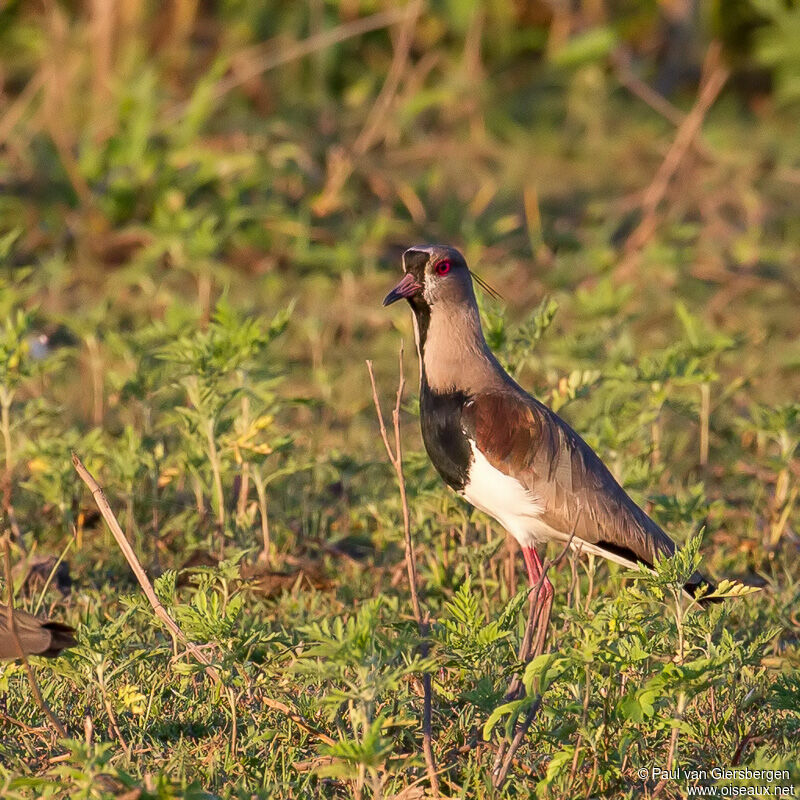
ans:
(15, 111)
(281, 53)
(342, 165)
(715, 75)
(135, 565)
(276, 705)
(172, 626)
(396, 459)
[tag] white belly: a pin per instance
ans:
(506, 499)
(517, 510)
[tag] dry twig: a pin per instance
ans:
(341, 164)
(282, 53)
(276, 705)
(636, 86)
(15, 111)
(715, 75)
(396, 459)
(135, 565)
(172, 626)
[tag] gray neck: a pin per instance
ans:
(453, 354)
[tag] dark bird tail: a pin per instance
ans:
(61, 637)
(698, 587)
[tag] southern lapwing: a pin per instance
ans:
(501, 449)
(36, 636)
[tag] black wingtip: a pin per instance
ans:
(61, 637)
(698, 588)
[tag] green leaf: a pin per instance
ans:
(542, 671)
(594, 45)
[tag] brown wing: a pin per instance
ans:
(36, 636)
(525, 439)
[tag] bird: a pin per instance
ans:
(505, 452)
(35, 636)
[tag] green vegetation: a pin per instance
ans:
(201, 212)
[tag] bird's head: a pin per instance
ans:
(435, 275)
(447, 325)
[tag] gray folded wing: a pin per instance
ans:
(526, 440)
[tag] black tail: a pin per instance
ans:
(698, 585)
(61, 637)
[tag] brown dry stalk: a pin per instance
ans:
(620, 61)
(341, 166)
(161, 612)
(56, 90)
(396, 459)
(636, 86)
(371, 132)
(276, 705)
(15, 111)
(38, 731)
(281, 53)
(715, 75)
(12, 627)
(112, 718)
(133, 561)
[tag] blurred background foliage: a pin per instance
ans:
(201, 208)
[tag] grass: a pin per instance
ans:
(203, 226)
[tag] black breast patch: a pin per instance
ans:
(445, 441)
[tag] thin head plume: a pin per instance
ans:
(488, 288)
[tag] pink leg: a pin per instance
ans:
(534, 567)
(541, 602)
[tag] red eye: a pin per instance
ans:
(443, 267)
